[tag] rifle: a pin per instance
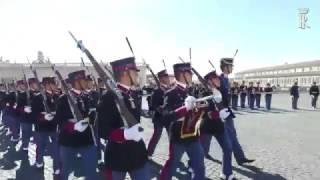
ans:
(128, 119)
(164, 64)
(185, 79)
(42, 91)
(190, 55)
(94, 78)
(28, 87)
(235, 53)
(72, 102)
(211, 64)
(152, 73)
(109, 70)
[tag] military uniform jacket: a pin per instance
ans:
(251, 90)
(41, 124)
(93, 98)
(38, 112)
(157, 100)
(225, 90)
(121, 154)
(183, 126)
(268, 91)
(67, 135)
(2, 99)
(10, 101)
(258, 90)
(314, 90)
(211, 122)
(294, 91)
(235, 91)
(21, 103)
(243, 89)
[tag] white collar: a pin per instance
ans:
(184, 86)
(126, 87)
(76, 91)
(225, 75)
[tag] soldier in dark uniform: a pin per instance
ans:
(251, 95)
(76, 136)
(184, 128)
(243, 94)
(314, 93)
(2, 104)
(23, 113)
(3, 93)
(11, 116)
(226, 66)
(294, 92)
(94, 97)
(212, 125)
(157, 104)
(258, 91)
(268, 95)
(43, 111)
(126, 151)
(234, 95)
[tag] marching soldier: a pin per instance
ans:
(251, 95)
(234, 95)
(76, 135)
(184, 127)
(212, 125)
(45, 123)
(226, 66)
(94, 97)
(126, 151)
(258, 91)
(314, 93)
(294, 92)
(11, 118)
(2, 104)
(243, 94)
(268, 95)
(23, 113)
(157, 104)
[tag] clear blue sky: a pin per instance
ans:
(265, 32)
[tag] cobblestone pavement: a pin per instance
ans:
(284, 142)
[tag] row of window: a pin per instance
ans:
(284, 71)
(286, 81)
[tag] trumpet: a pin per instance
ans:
(203, 102)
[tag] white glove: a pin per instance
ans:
(312, 96)
(15, 106)
(48, 117)
(81, 125)
(224, 113)
(133, 133)
(190, 102)
(7, 104)
(27, 109)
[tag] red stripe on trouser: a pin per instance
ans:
(166, 168)
(108, 174)
(152, 142)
